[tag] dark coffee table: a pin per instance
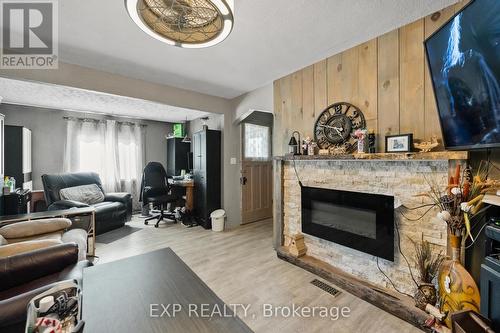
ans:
(118, 297)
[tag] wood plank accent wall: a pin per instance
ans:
(386, 77)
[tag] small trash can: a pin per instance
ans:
(218, 216)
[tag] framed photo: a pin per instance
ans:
(402, 143)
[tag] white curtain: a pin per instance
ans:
(112, 149)
(257, 142)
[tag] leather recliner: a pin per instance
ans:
(112, 213)
(26, 275)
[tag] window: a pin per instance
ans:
(114, 150)
(257, 142)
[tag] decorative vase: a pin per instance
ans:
(457, 289)
(426, 294)
(361, 145)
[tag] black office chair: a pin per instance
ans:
(157, 191)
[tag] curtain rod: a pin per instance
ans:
(93, 120)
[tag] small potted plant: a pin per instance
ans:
(428, 264)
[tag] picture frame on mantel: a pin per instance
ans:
(400, 143)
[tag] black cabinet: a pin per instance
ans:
(207, 174)
(490, 277)
(475, 251)
(490, 291)
(18, 155)
(17, 202)
(177, 156)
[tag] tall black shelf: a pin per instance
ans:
(207, 174)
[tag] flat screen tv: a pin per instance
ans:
(464, 62)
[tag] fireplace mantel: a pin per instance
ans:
(429, 156)
(401, 175)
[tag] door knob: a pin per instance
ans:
(243, 180)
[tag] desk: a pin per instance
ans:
(189, 186)
(118, 297)
(84, 217)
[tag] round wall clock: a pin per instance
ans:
(336, 125)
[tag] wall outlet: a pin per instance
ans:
(233, 161)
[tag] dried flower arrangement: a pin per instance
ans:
(461, 205)
(428, 264)
(462, 200)
(426, 261)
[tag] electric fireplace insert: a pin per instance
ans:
(361, 221)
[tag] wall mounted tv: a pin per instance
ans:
(464, 61)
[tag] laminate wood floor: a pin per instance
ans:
(241, 267)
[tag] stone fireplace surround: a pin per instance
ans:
(400, 175)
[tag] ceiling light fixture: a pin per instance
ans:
(184, 23)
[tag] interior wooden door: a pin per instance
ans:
(256, 188)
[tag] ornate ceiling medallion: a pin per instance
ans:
(184, 23)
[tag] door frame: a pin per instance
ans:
(242, 123)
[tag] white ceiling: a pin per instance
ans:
(271, 38)
(74, 99)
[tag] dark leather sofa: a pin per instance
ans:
(24, 276)
(112, 213)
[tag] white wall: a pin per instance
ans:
(49, 135)
(260, 99)
(214, 122)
